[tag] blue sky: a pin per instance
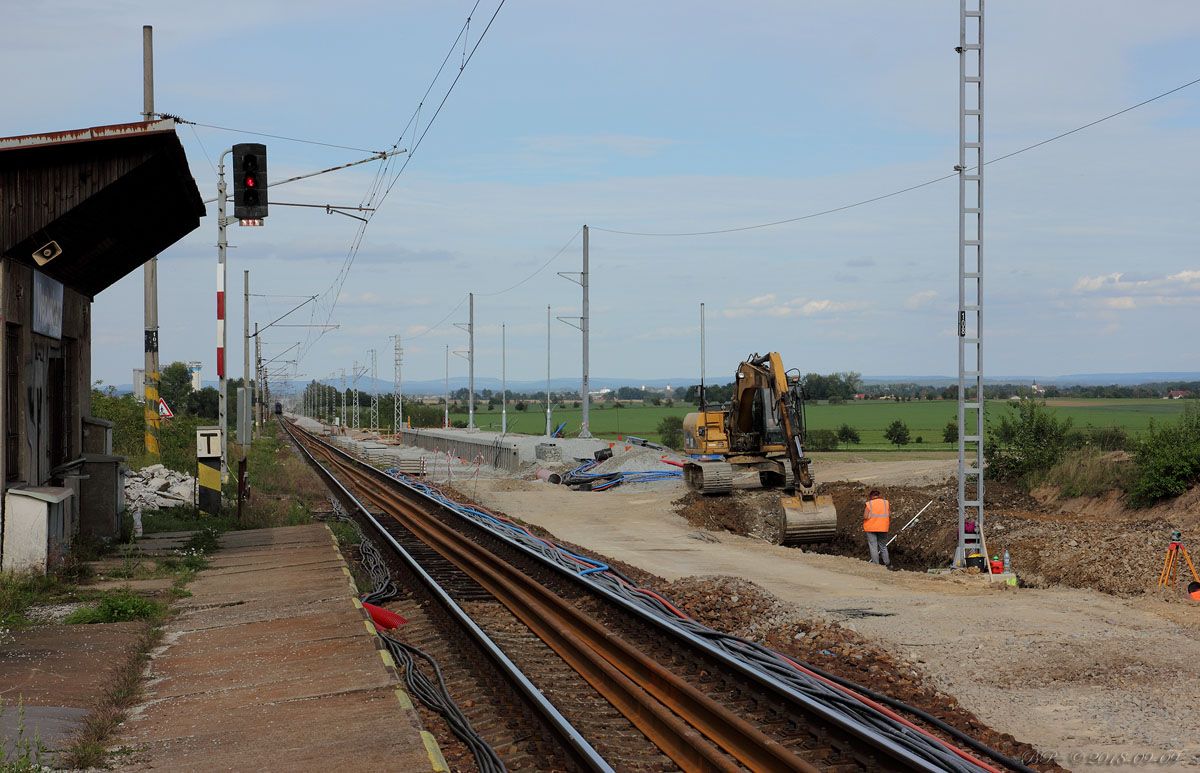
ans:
(666, 116)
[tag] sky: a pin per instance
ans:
(654, 117)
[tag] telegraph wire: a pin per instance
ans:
(902, 191)
(179, 119)
(539, 270)
(335, 290)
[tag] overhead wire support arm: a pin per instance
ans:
(295, 308)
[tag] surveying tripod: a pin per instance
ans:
(1169, 575)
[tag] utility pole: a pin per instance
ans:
(150, 269)
(702, 403)
(446, 401)
(503, 378)
(583, 327)
(547, 370)
(397, 389)
(260, 416)
(469, 327)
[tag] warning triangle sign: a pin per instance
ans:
(164, 410)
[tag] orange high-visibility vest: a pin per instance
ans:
(877, 516)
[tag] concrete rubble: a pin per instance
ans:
(157, 487)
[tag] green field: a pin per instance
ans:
(925, 419)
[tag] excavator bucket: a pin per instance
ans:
(807, 520)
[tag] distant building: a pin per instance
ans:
(195, 369)
(1038, 390)
(860, 396)
(1178, 394)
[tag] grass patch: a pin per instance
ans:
(117, 606)
(1088, 472)
(19, 592)
(89, 748)
(347, 535)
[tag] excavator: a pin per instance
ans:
(760, 434)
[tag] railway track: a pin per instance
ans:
(648, 692)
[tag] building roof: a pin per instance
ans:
(95, 203)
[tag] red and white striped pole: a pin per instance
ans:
(222, 243)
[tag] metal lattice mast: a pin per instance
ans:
(970, 279)
(343, 390)
(397, 388)
(374, 391)
(354, 419)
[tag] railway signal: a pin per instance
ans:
(250, 182)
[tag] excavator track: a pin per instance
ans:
(709, 477)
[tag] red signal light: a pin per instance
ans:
(250, 181)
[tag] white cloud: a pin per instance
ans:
(920, 300)
(1117, 292)
(768, 306)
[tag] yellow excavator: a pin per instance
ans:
(760, 432)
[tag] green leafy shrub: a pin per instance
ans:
(950, 432)
(1166, 459)
(822, 440)
(848, 434)
(897, 433)
(1028, 440)
(670, 431)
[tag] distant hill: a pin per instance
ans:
(437, 386)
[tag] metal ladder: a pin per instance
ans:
(970, 278)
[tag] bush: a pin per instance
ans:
(1028, 440)
(1166, 459)
(848, 434)
(822, 440)
(897, 433)
(919, 439)
(521, 405)
(950, 432)
(670, 431)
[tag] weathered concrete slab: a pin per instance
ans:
(57, 673)
(269, 665)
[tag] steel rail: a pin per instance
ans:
(869, 737)
(580, 750)
(646, 692)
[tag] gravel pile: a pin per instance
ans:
(635, 460)
(156, 487)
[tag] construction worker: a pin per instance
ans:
(877, 518)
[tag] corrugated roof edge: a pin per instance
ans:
(92, 133)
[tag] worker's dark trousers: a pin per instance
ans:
(877, 542)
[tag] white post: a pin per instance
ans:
(548, 421)
(446, 416)
(503, 379)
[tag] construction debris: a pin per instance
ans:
(157, 487)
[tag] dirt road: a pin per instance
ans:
(1074, 672)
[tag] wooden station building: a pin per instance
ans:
(78, 211)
